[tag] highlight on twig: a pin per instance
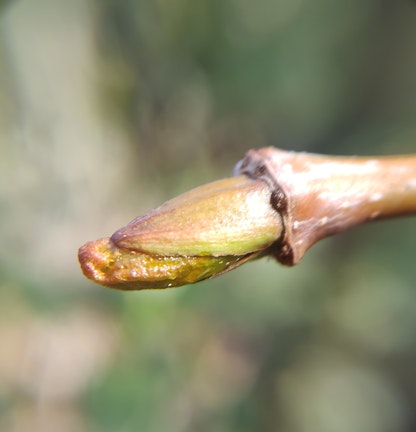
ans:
(279, 204)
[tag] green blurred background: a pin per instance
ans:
(107, 109)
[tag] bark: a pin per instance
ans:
(318, 196)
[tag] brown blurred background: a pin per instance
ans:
(108, 108)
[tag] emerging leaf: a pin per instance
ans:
(118, 268)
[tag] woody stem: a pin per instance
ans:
(319, 195)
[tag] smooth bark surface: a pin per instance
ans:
(319, 195)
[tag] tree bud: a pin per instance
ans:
(200, 234)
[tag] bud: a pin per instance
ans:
(200, 234)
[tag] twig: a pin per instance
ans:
(319, 196)
(280, 203)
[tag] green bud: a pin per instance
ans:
(200, 234)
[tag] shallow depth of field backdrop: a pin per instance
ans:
(108, 108)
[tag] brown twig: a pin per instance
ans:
(319, 195)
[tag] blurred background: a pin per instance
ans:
(107, 109)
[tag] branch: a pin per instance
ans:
(279, 203)
(323, 195)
